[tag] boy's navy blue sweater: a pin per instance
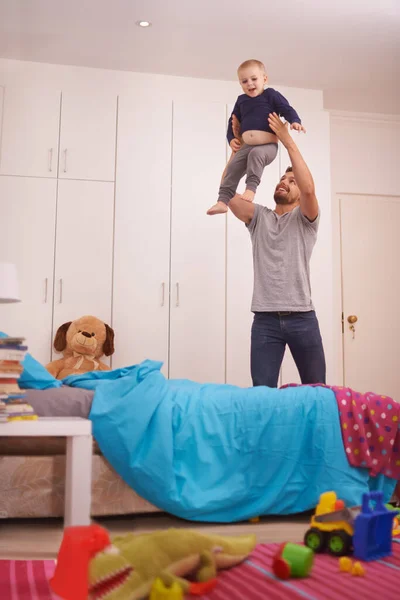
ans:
(252, 113)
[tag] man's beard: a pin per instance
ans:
(283, 199)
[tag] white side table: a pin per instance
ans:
(78, 481)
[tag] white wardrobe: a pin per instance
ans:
(103, 200)
(169, 276)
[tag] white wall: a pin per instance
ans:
(365, 156)
(27, 74)
(32, 74)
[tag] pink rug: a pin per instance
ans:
(26, 579)
(253, 580)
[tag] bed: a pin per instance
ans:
(202, 452)
(32, 469)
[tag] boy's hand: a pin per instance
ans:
(235, 144)
(297, 127)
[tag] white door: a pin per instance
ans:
(315, 148)
(29, 140)
(240, 280)
(197, 324)
(84, 246)
(142, 231)
(371, 290)
(27, 215)
(1, 110)
(88, 134)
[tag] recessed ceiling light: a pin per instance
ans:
(143, 23)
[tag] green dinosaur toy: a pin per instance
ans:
(90, 565)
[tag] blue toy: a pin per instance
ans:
(373, 527)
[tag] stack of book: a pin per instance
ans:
(13, 406)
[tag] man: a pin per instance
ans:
(283, 240)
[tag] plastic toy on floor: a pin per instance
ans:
(292, 560)
(396, 527)
(365, 531)
(346, 566)
(92, 565)
(161, 591)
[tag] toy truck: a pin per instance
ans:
(365, 531)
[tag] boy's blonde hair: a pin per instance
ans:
(252, 63)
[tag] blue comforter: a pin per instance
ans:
(219, 452)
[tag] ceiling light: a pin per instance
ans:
(143, 23)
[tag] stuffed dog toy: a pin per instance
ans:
(82, 343)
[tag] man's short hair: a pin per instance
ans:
(289, 169)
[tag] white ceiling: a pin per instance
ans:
(348, 48)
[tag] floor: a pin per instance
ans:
(40, 538)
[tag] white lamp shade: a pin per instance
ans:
(9, 290)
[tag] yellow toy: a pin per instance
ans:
(345, 564)
(358, 569)
(331, 526)
(161, 591)
(396, 527)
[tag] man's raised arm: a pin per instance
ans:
(302, 174)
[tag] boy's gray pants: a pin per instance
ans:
(249, 160)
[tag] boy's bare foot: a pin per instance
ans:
(218, 209)
(248, 195)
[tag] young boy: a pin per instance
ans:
(260, 144)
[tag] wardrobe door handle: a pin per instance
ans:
(177, 294)
(162, 294)
(46, 281)
(65, 160)
(51, 160)
(61, 291)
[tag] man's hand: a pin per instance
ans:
(235, 145)
(236, 127)
(297, 127)
(279, 128)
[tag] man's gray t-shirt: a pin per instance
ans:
(282, 248)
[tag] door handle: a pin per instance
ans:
(46, 281)
(61, 291)
(51, 160)
(65, 160)
(352, 319)
(177, 294)
(162, 294)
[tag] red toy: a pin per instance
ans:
(83, 543)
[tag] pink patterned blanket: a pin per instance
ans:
(370, 429)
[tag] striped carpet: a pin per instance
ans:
(253, 580)
(26, 579)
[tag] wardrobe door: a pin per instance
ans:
(88, 135)
(142, 230)
(27, 214)
(84, 248)
(30, 130)
(197, 324)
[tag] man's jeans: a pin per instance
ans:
(269, 335)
